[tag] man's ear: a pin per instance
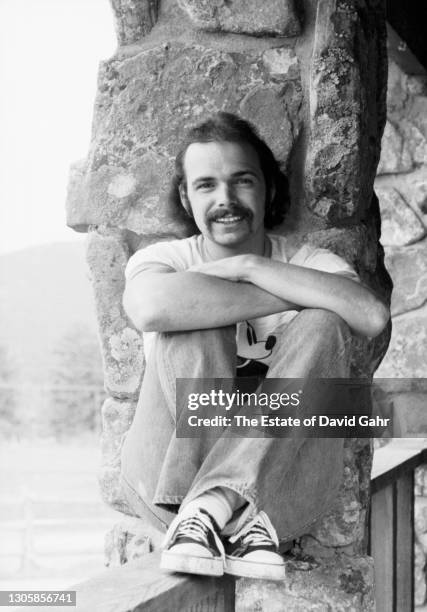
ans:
(184, 200)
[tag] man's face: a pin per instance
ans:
(226, 191)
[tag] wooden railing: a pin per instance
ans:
(392, 522)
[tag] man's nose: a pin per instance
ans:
(225, 194)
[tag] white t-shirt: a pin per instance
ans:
(255, 338)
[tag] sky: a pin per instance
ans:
(49, 56)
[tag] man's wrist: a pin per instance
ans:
(254, 264)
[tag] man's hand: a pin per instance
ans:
(306, 287)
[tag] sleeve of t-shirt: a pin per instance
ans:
(158, 257)
(326, 261)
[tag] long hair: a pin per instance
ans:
(226, 127)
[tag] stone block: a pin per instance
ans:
(341, 584)
(410, 415)
(117, 417)
(347, 85)
(420, 515)
(417, 142)
(141, 111)
(267, 18)
(397, 88)
(416, 195)
(420, 590)
(134, 19)
(121, 344)
(281, 61)
(400, 225)
(345, 523)
(408, 269)
(407, 354)
(109, 481)
(127, 541)
(421, 480)
(395, 152)
(418, 114)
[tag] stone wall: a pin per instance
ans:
(401, 186)
(311, 75)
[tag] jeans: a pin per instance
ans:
(294, 480)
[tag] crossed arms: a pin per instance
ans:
(234, 289)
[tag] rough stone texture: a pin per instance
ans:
(345, 524)
(421, 480)
(134, 18)
(340, 583)
(140, 112)
(417, 197)
(421, 521)
(270, 17)
(116, 419)
(408, 268)
(126, 541)
(396, 153)
(420, 550)
(107, 255)
(420, 590)
(407, 355)
(400, 225)
(344, 83)
(410, 415)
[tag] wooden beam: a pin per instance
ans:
(398, 457)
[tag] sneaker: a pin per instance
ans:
(253, 552)
(192, 545)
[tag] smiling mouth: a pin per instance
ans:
(229, 219)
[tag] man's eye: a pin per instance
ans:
(205, 186)
(245, 180)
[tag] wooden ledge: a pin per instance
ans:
(143, 586)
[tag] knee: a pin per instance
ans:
(323, 321)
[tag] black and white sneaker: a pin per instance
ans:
(253, 552)
(192, 545)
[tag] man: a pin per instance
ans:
(291, 313)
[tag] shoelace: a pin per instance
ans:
(257, 532)
(196, 527)
(257, 536)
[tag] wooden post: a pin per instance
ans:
(382, 547)
(404, 520)
(27, 551)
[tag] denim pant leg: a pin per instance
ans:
(293, 480)
(158, 469)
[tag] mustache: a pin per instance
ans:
(235, 210)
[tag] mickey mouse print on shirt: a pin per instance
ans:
(254, 349)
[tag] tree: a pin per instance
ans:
(75, 383)
(9, 420)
